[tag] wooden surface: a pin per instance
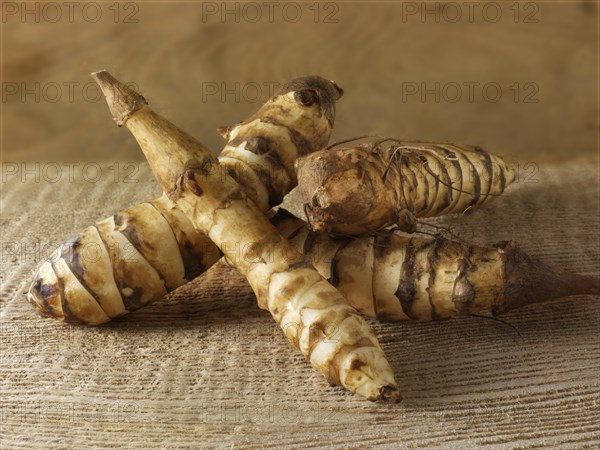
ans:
(205, 368)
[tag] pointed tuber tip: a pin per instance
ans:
(528, 281)
(122, 100)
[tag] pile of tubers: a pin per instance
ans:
(320, 275)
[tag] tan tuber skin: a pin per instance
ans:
(284, 282)
(368, 187)
(387, 275)
(129, 260)
(159, 249)
(369, 270)
(395, 277)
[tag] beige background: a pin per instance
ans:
(206, 368)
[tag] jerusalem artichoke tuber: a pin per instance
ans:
(392, 276)
(367, 269)
(128, 261)
(283, 280)
(367, 187)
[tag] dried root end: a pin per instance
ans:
(122, 100)
(389, 394)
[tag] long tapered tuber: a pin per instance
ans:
(367, 269)
(370, 186)
(133, 258)
(283, 280)
(393, 277)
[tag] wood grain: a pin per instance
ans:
(205, 368)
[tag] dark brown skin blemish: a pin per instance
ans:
(303, 145)
(446, 180)
(326, 91)
(502, 180)
(321, 330)
(335, 275)
(357, 364)
(437, 184)
(433, 258)
(192, 260)
(264, 175)
(407, 221)
(122, 275)
(118, 219)
(381, 244)
(257, 144)
(68, 314)
(237, 194)
(306, 97)
(403, 168)
(302, 264)
(191, 184)
(45, 290)
(72, 257)
(264, 147)
(425, 183)
(489, 168)
(406, 288)
(42, 292)
(233, 174)
(463, 292)
(308, 243)
(451, 156)
(131, 234)
(337, 360)
(133, 301)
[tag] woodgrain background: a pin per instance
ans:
(206, 368)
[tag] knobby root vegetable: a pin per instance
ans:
(302, 302)
(393, 276)
(135, 257)
(121, 264)
(386, 275)
(370, 186)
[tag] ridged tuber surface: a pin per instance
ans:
(302, 302)
(370, 186)
(135, 257)
(392, 276)
(385, 275)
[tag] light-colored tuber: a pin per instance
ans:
(385, 275)
(370, 186)
(283, 280)
(135, 257)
